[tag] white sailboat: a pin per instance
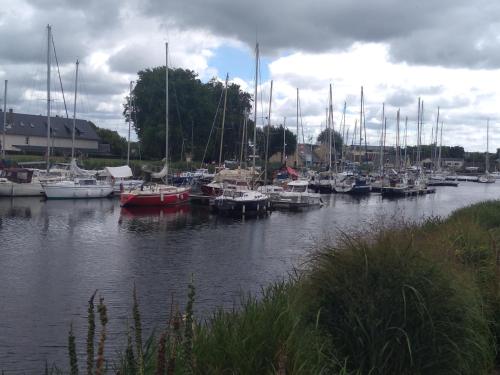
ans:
(487, 178)
(83, 185)
(233, 200)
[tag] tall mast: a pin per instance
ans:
(487, 145)
(74, 118)
(243, 136)
(4, 119)
(297, 147)
(440, 145)
(129, 121)
(166, 108)
(382, 141)
(268, 129)
(406, 146)
(49, 31)
(223, 121)
(284, 139)
(418, 133)
(398, 158)
(255, 108)
(360, 123)
(342, 154)
(434, 159)
(332, 133)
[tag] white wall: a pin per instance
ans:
(11, 140)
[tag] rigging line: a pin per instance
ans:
(59, 75)
(212, 129)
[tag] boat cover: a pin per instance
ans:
(118, 172)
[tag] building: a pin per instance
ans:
(452, 163)
(28, 134)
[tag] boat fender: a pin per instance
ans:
(161, 196)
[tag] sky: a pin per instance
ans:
(447, 53)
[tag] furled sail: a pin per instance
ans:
(161, 174)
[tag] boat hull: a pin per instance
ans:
(12, 189)
(229, 206)
(77, 192)
(143, 198)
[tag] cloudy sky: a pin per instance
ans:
(446, 52)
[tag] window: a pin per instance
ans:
(27, 140)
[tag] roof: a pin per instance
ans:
(36, 126)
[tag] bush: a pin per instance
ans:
(389, 308)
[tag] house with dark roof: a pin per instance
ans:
(28, 134)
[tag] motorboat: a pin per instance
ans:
(239, 201)
(296, 195)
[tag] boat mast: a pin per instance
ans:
(297, 146)
(4, 119)
(342, 154)
(268, 129)
(487, 146)
(129, 121)
(440, 145)
(284, 139)
(223, 121)
(332, 134)
(382, 141)
(49, 31)
(74, 117)
(406, 146)
(418, 134)
(435, 141)
(243, 135)
(398, 158)
(255, 110)
(166, 109)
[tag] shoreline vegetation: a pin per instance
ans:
(408, 299)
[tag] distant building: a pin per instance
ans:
(453, 163)
(28, 134)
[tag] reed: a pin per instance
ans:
(100, 349)
(138, 332)
(73, 359)
(90, 334)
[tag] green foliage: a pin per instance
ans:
(138, 332)
(192, 108)
(262, 334)
(391, 308)
(275, 141)
(117, 143)
(337, 141)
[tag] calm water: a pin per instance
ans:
(54, 254)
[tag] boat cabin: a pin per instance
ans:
(19, 175)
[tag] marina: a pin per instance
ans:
(55, 253)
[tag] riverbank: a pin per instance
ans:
(402, 299)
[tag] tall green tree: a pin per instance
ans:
(324, 138)
(276, 141)
(193, 106)
(117, 143)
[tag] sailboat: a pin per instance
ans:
(487, 178)
(233, 200)
(83, 184)
(157, 194)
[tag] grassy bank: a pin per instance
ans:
(410, 299)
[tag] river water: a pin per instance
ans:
(54, 254)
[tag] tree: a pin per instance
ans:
(275, 141)
(117, 143)
(324, 138)
(193, 105)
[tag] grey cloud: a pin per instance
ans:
(449, 32)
